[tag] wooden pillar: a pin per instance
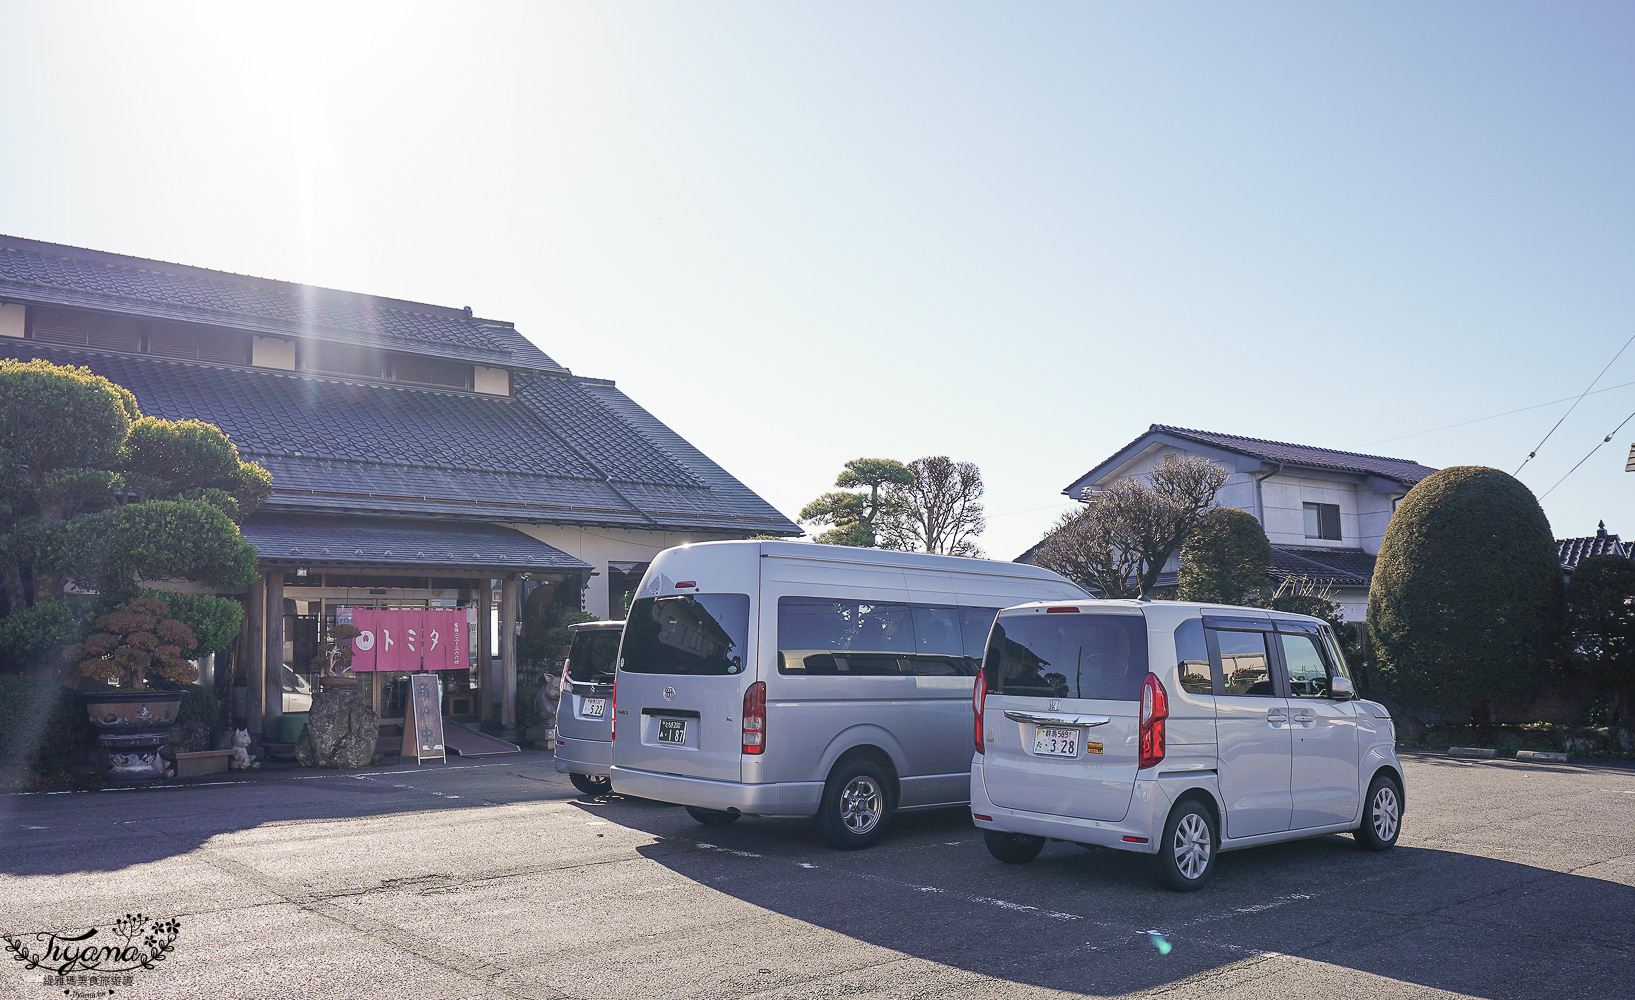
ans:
(255, 645)
(508, 652)
(274, 690)
(485, 652)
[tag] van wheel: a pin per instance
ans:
(589, 785)
(1013, 848)
(856, 805)
(712, 817)
(1186, 855)
(1382, 815)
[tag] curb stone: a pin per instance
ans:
(1482, 752)
(1545, 755)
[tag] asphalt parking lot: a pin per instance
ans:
(496, 879)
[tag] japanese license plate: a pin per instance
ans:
(673, 731)
(595, 707)
(1056, 742)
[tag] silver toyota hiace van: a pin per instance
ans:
(790, 679)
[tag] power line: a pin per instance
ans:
(1573, 407)
(1586, 458)
(1495, 416)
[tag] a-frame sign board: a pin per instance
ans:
(423, 720)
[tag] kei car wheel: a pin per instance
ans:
(1013, 848)
(589, 785)
(856, 805)
(712, 817)
(1382, 814)
(1186, 854)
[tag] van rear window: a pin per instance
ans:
(590, 659)
(687, 634)
(1068, 656)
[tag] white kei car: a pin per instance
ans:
(1176, 730)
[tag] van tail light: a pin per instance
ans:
(979, 695)
(755, 718)
(613, 710)
(1154, 710)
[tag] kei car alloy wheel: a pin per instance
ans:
(1186, 854)
(1382, 815)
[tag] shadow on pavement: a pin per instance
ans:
(1079, 920)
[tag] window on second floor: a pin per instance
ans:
(1323, 521)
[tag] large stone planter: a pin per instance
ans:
(131, 727)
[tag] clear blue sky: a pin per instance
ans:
(1012, 233)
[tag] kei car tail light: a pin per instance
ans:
(755, 718)
(979, 695)
(1154, 710)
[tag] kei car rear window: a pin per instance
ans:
(1068, 656)
(592, 656)
(687, 634)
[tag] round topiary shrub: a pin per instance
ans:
(1225, 558)
(1466, 602)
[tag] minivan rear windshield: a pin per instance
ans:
(1068, 656)
(687, 634)
(591, 658)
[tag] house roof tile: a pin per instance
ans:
(54, 274)
(288, 539)
(1403, 470)
(1573, 551)
(556, 453)
(1335, 567)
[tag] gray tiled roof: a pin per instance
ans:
(53, 274)
(1573, 551)
(287, 539)
(1403, 470)
(1336, 567)
(558, 452)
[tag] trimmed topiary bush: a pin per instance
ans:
(1225, 559)
(1466, 604)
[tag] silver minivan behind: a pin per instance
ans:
(584, 716)
(789, 679)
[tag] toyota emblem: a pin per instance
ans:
(669, 694)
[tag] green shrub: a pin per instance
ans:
(199, 703)
(36, 636)
(1225, 559)
(1466, 603)
(1600, 633)
(214, 621)
(42, 724)
(528, 706)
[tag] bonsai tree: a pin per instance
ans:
(135, 639)
(1225, 559)
(1600, 631)
(1466, 603)
(94, 493)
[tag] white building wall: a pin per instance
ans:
(11, 319)
(1374, 512)
(601, 546)
(1285, 498)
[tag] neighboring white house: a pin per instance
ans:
(1323, 510)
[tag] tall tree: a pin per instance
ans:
(1466, 603)
(1118, 544)
(1226, 558)
(93, 492)
(940, 511)
(855, 518)
(1600, 632)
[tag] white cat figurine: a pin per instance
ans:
(242, 761)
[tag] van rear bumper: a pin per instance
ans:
(786, 798)
(592, 757)
(1149, 809)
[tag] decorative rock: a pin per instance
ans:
(341, 732)
(1583, 742)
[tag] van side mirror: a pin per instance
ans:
(1340, 688)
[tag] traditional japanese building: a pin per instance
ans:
(422, 457)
